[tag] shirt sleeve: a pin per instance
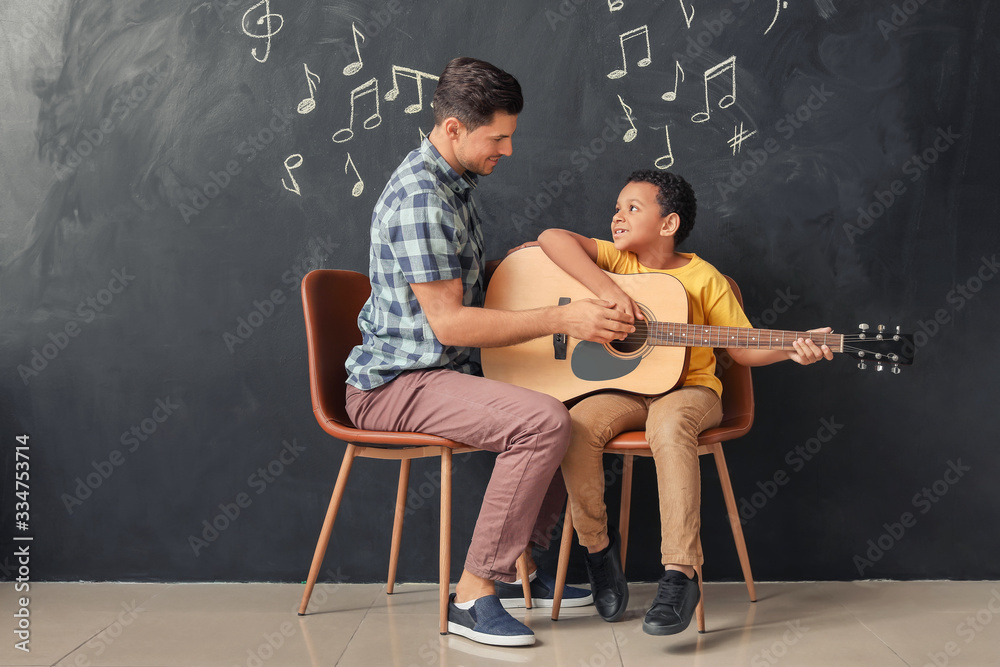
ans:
(723, 308)
(424, 239)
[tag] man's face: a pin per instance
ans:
(479, 151)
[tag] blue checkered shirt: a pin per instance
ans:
(424, 228)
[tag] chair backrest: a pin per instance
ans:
(331, 301)
(737, 394)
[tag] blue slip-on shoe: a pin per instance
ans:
(543, 587)
(487, 622)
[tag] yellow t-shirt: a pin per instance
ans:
(710, 299)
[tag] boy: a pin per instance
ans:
(655, 212)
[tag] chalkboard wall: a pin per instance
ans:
(170, 171)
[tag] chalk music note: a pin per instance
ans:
(289, 167)
(615, 5)
(629, 135)
(355, 67)
(728, 65)
(408, 73)
(309, 103)
(422, 135)
(781, 5)
(624, 37)
(367, 88)
(359, 187)
(264, 20)
(660, 164)
(671, 95)
(687, 17)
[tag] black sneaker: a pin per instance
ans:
(674, 604)
(607, 579)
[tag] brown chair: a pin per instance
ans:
(737, 418)
(331, 300)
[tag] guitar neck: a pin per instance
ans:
(694, 335)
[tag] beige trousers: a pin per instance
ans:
(672, 422)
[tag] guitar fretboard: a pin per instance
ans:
(693, 335)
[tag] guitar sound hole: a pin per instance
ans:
(634, 342)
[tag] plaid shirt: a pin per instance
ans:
(424, 228)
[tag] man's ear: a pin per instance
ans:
(671, 223)
(452, 127)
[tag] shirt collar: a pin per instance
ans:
(459, 184)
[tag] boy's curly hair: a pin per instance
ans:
(674, 195)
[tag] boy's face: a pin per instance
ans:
(637, 224)
(479, 151)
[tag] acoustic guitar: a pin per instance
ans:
(653, 359)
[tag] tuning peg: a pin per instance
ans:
(864, 328)
(895, 369)
(879, 368)
(881, 330)
(862, 365)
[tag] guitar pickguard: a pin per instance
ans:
(592, 362)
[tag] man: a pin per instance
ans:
(414, 371)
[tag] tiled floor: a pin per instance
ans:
(256, 625)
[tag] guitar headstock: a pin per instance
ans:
(884, 348)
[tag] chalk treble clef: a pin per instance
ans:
(269, 30)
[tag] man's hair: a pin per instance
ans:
(674, 195)
(473, 90)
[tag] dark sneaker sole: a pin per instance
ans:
(661, 630)
(621, 612)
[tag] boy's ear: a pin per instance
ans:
(671, 223)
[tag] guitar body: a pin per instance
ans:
(528, 279)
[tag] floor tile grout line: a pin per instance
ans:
(358, 626)
(876, 635)
(91, 638)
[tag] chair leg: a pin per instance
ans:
(734, 518)
(327, 530)
(699, 611)
(563, 567)
(397, 523)
(623, 518)
(444, 558)
(522, 573)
